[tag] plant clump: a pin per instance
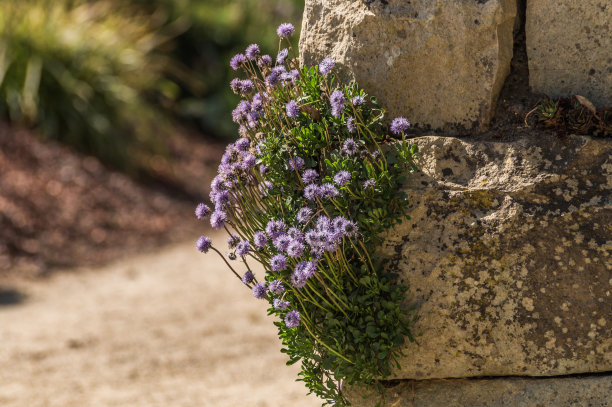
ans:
(575, 115)
(307, 192)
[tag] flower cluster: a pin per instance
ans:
(307, 191)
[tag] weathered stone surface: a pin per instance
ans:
(508, 254)
(569, 45)
(440, 63)
(587, 391)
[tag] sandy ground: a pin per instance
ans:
(171, 329)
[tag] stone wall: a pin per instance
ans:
(442, 63)
(508, 254)
(584, 391)
(569, 43)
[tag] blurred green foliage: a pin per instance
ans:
(218, 29)
(107, 75)
(84, 73)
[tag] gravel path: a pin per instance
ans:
(170, 329)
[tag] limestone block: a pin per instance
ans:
(439, 63)
(586, 391)
(569, 46)
(509, 257)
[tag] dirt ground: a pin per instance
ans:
(60, 208)
(171, 329)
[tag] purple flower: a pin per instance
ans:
(285, 30)
(246, 87)
(257, 102)
(275, 227)
(243, 144)
(235, 85)
(282, 241)
(342, 178)
(306, 268)
(292, 319)
(282, 55)
(248, 277)
(260, 291)
(399, 125)
(217, 185)
(369, 183)
(295, 249)
(338, 222)
(222, 199)
(260, 239)
(358, 100)
(243, 248)
(312, 192)
(240, 113)
(263, 169)
(323, 223)
(350, 124)
(350, 147)
(233, 240)
(328, 191)
(304, 215)
(349, 228)
(264, 61)
(330, 246)
(316, 253)
(309, 176)
(326, 66)
(278, 262)
(202, 211)
(217, 219)
(298, 279)
(337, 100)
(296, 163)
(252, 52)
(290, 77)
(237, 61)
(276, 287)
(296, 234)
(293, 109)
(280, 304)
(279, 69)
(203, 244)
(248, 162)
(312, 237)
(272, 79)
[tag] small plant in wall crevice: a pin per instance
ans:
(307, 192)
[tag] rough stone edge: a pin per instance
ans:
(560, 391)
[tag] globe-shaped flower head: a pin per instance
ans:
(292, 319)
(260, 291)
(202, 211)
(293, 109)
(326, 66)
(399, 125)
(203, 244)
(285, 30)
(252, 52)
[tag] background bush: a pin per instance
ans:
(108, 76)
(218, 29)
